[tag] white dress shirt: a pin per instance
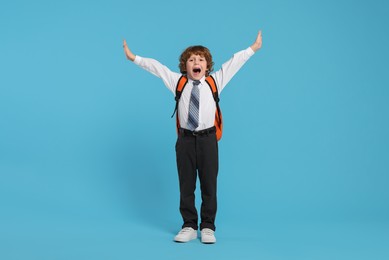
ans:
(207, 106)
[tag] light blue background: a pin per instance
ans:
(87, 161)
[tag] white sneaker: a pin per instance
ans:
(186, 234)
(208, 236)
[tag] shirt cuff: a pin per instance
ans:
(137, 60)
(250, 51)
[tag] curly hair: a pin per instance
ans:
(196, 50)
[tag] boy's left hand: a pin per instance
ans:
(258, 42)
(128, 52)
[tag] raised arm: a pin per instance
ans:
(154, 67)
(128, 52)
(233, 65)
(258, 42)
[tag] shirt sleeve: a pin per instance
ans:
(153, 66)
(231, 67)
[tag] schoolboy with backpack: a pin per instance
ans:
(199, 128)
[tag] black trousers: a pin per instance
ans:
(197, 155)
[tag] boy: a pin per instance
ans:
(196, 147)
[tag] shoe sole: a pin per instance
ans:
(184, 241)
(208, 242)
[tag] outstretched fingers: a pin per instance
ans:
(128, 52)
(258, 42)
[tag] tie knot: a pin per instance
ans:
(196, 82)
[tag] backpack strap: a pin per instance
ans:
(179, 88)
(218, 115)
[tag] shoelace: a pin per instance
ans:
(208, 232)
(185, 230)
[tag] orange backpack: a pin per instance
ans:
(218, 115)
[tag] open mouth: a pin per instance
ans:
(196, 70)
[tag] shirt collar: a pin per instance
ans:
(202, 80)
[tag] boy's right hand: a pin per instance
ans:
(127, 51)
(258, 42)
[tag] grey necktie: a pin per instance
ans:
(193, 117)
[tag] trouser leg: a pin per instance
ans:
(186, 166)
(208, 166)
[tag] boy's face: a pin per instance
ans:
(196, 67)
